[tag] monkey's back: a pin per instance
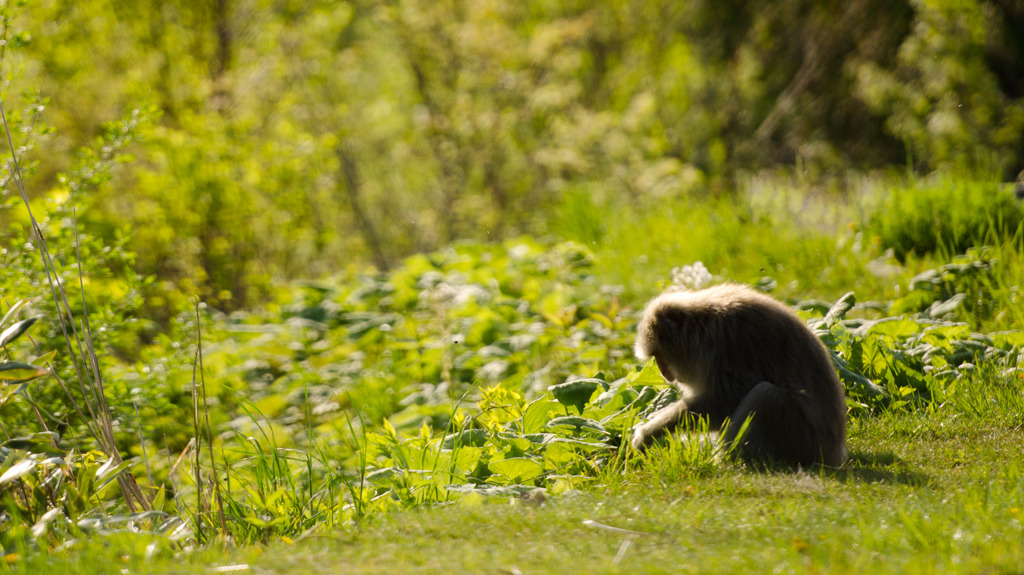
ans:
(731, 338)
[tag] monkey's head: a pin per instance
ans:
(659, 333)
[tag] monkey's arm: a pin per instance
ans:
(663, 421)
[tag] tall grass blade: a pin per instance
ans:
(98, 408)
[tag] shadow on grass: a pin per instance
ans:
(884, 467)
(859, 467)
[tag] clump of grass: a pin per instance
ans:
(944, 216)
(640, 244)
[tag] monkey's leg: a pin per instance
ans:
(779, 429)
(661, 422)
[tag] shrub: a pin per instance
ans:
(945, 216)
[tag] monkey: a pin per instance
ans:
(733, 353)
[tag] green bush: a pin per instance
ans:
(945, 216)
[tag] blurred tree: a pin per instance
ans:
(300, 137)
(787, 72)
(954, 94)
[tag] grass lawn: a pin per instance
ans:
(921, 493)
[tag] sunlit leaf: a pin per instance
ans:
(18, 371)
(41, 526)
(941, 308)
(45, 358)
(860, 385)
(493, 490)
(647, 374)
(15, 331)
(576, 442)
(517, 469)
(109, 471)
(467, 438)
(1008, 339)
(538, 413)
(577, 423)
(838, 310)
(19, 469)
(896, 327)
(14, 309)
(517, 443)
(42, 442)
(615, 399)
(576, 393)
(952, 331)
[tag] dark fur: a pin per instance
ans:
(734, 352)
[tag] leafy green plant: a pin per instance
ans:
(16, 375)
(476, 423)
(49, 493)
(912, 360)
(52, 496)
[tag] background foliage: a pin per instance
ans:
(298, 138)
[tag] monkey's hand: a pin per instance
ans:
(661, 422)
(642, 437)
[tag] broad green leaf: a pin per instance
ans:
(953, 331)
(860, 385)
(1008, 339)
(647, 395)
(467, 438)
(939, 309)
(647, 374)
(662, 399)
(856, 361)
(541, 438)
(517, 443)
(618, 396)
(913, 302)
(576, 393)
(578, 423)
(564, 451)
(577, 442)
(45, 358)
(466, 458)
(518, 469)
(538, 413)
(898, 327)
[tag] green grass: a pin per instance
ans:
(811, 243)
(637, 247)
(938, 492)
(455, 351)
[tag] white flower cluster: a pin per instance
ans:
(691, 277)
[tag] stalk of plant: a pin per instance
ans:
(89, 377)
